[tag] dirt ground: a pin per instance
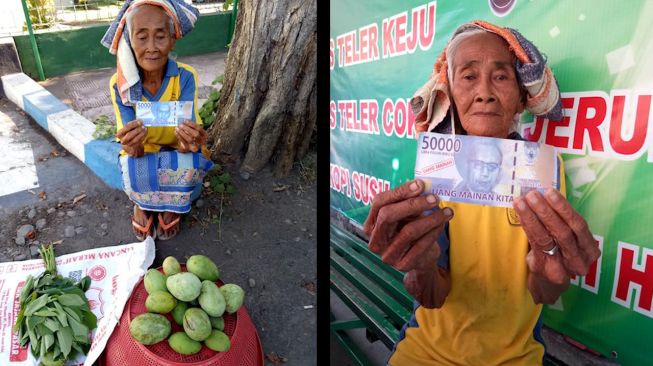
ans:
(264, 240)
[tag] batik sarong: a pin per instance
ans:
(163, 181)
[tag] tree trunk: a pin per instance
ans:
(267, 108)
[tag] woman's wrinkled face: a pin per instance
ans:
(484, 86)
(150, 38)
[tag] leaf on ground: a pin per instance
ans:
(279, 188)
(79, 198)
(309, 286)
(55, 153)
(42, 195)
(275, 359)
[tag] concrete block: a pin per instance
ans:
(102, 158)
(72, 131)
(40, 104)
(17, 85)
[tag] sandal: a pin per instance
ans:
(141, 231)
(167, 231)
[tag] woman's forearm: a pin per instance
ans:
(544, 291)
(429, 287)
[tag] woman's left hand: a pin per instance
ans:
(191, 136)
(551, 224)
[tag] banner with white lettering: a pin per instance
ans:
(602, 55)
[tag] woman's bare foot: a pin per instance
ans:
(143, 224)
(168, 225)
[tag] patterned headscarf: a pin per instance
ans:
(116, 39)
(432, 101)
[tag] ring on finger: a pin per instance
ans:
(553, 250)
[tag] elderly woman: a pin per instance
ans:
(162, 167)
(479, 277)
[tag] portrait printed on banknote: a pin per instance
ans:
(480, 166)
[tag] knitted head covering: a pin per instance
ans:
(116, 39)
(432, 102)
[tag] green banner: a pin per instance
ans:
(602, 55)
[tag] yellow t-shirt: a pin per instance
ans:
(179, 84)
(489, 316)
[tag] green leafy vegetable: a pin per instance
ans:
(54, 315)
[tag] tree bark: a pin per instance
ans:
(267, 108)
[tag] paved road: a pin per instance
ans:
(31, 161)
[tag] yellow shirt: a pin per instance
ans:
(179, 84)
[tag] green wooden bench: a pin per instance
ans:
(371, 289)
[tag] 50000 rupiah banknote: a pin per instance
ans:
(164, 114)
(484, 170)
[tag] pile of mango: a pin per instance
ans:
(193, 300)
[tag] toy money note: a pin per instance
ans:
(484, 170)
(164, 114)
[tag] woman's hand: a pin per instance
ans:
(191, 136)
(553, 226)
(131, 138)
(408, 240)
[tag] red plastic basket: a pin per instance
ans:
(122, 349)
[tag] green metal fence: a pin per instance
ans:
(48, 23)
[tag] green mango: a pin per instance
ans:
(160, 302)
(149, 328)
(217, 322)
(197, 324)
(234, 297)
(211, 299)
(171, 266)
(218, 341)
(182, 343)
(154, 281)
(178, 312)
(203, 267)
(185, 286)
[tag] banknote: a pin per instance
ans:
(163, 114)
(484, 170)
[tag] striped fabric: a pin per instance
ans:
(116, 39)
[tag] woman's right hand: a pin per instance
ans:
(407, 239)
(131, 138)
(399, 231)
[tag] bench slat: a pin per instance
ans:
(374, 320)
(385, 280)
(396, 311)
(337, 234)
(355, 354)
(347, 324)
